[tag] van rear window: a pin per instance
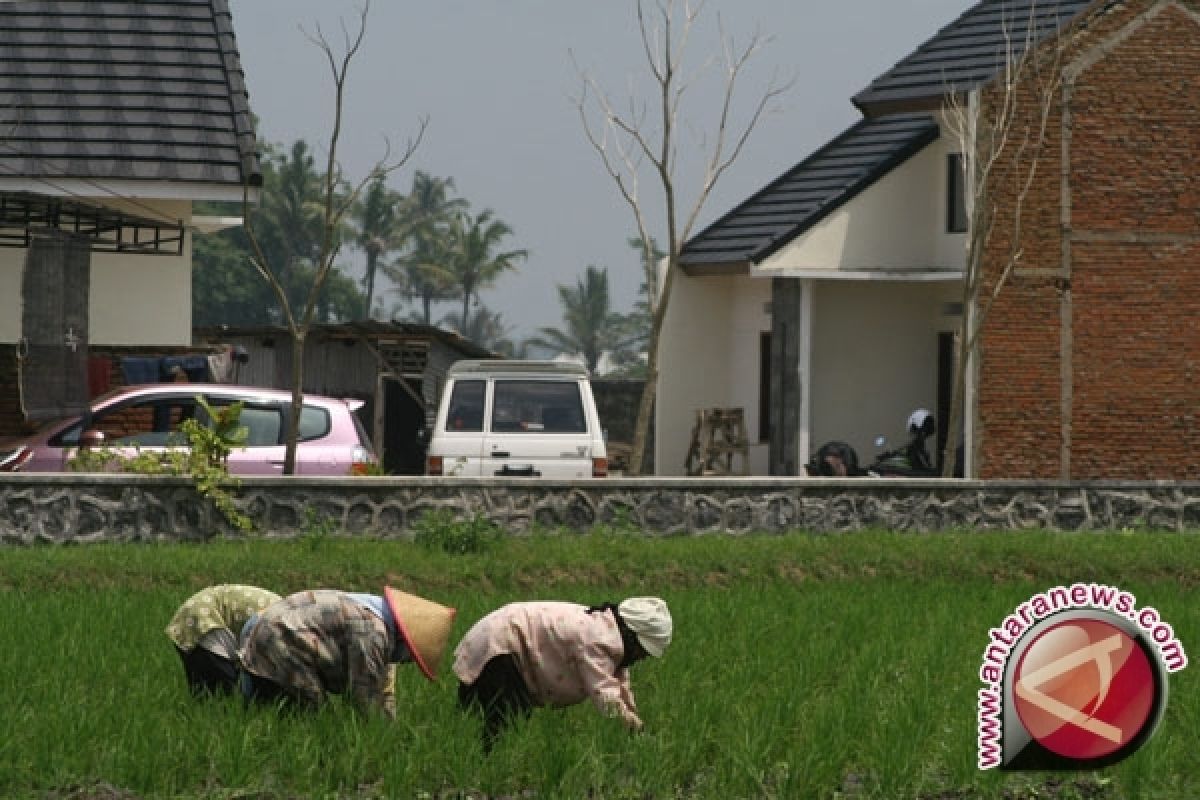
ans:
(466, 407)
(524, 406)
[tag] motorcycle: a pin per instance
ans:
(836, 459)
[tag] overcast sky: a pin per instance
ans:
(497, 81)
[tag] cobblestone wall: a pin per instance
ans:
(71, 509)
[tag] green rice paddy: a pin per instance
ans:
(802, 666)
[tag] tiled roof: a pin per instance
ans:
(141, 90)
(965, 53)
(801, 197)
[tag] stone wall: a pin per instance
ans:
(122, 508)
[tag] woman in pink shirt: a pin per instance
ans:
(557, 654)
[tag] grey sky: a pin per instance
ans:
(496, 79)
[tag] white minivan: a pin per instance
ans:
(501, 418)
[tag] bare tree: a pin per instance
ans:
(336, 205)
(1001, 130)
(628, 141)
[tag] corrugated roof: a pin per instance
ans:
(812, 189)
(143, 90)
(363, 328)
(965, 53)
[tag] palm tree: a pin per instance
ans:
(291, 214)
(474, 261)
(486, 328)
(377, 225)
(289, 226)
(591, 328)
(629, 359)
(421, 274)
(423, 221)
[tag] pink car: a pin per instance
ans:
(332, 440)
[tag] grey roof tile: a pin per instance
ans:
(124, 89)
(805, 194)
(965, 53)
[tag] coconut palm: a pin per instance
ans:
(377, 222)
(474, 257)
(290, 217)
(486, 328)
(422, 274)
(423, 220)
(590, 326)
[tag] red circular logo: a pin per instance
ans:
(1084, 688)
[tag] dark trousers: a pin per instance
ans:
(499, 694)
(267, 692)
(207, 672)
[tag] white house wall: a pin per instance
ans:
(135, 299)
(709, 350)
(898, 223)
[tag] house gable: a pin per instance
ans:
(895, 227)
(807, 193)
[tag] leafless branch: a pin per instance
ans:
(627, 143)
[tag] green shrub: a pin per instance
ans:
(443, 530)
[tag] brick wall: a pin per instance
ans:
(1090, 366)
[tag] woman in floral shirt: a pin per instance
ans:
(205, 631)
(558, 654)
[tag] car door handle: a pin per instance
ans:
(500, 454)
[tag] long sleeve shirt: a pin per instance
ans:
(565, 655)
(223, 607)
(324, 642)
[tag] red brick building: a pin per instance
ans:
(1091, 359)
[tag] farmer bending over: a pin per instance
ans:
(205, 632)
(557, 654)
(318, 643)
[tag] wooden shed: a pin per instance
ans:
(397, 369)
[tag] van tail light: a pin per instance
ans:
(599, 467)
(13, 460)
(433, 465)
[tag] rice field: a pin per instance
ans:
(802, 666)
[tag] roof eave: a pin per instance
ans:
(713, 268)
(924, 103)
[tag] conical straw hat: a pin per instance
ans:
(425, 626)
